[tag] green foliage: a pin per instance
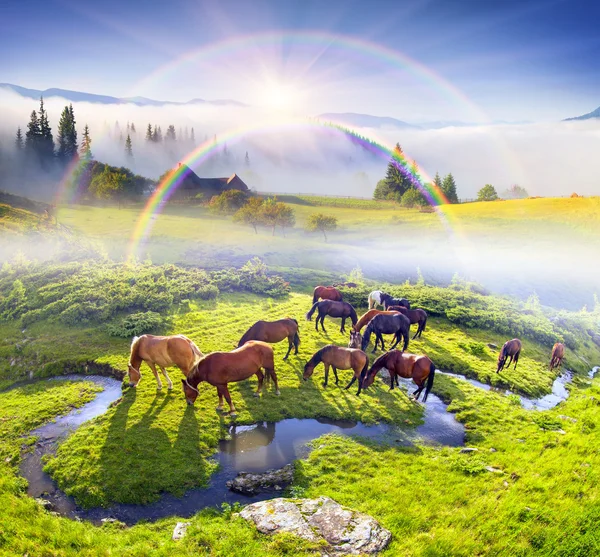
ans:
(275, 213)
(515, 192)
(413, 198)
(137, 324)
(474, 348)
(487, 193)
(320, 222)
(228, 202)
(384, 191)
(252, 277)
(85, 151)
(449, 188)
(398, 175)
(13, 305)
(108, 184)
(251, 213)
(67, 136)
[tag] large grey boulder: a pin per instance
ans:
(346, 532)
(250, 484)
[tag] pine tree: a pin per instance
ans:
(19, 140)
(397, 174)
(128, 147)
(73, 134)
(133, 128)
(247, 159)
(192, 137)
(160, 135)
(170, 136)
(128, 128)
(155, 134)
(149, 135)
(33, 134)
(67, 136)
(46, 143)
(86, 142)
(449, 188)
(437, 181)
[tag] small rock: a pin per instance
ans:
(469, 450)
(180, 530)
(494, 470)
(114, 522)
(344, 531)
(492, 346)
(568, 419)
(505, 483)
(561, 431)
(48, 505)
(514, 476)
(492, 450)
(251, 484)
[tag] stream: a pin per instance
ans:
(254, 448)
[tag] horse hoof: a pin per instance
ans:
(219, 409)
(324, 385)
(256, 395)
(170, 388)
(277, 393)
(233, 414)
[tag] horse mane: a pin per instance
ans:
(377, 364)
(353, 315)
(317, 357)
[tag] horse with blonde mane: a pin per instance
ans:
(163, 352)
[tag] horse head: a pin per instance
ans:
(355, 339)
(309, 368)
(134, 376)
(190, 392)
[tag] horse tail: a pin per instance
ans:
(429, 380)
(424, 322)
(363, 373)
(312, 310)
(315, 294)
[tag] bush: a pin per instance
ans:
(138, 324)
(252, 277)
(228, 202)
(487, 193)
(413, 198)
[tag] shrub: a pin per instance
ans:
(138, 324)
(228, 202)
(413, 198)
(487, 193)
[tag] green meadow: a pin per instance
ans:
(530, 488)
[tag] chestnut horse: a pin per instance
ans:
(558, 354)
(274, 331)
(401, 364)
(339, 358)
(418, 316)
(397, 324)
(333, 309)
(366, 317)
(220, 368)
(512, 349)
(163, 352)
(327, 293)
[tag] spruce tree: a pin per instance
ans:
(397, 174)
(149, 135)
(19, 140)
(155, 134)
(449, 188)
(133, 128)
(170, 136)
(67, 136)
(46, 143)
(86, 142)
(160, 135)
(33, 134)
(437, 181)
(247, 159)
(128, 148)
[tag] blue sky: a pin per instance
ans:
(516, 60)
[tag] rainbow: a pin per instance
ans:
(203, 152)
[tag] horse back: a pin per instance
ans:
(225, 367)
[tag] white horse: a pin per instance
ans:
(375, 299)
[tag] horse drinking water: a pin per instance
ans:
(220, 368)
(333, 309)
(274, 331)
(338, 358)
(163, 352)
(512, 350)
(401, 364)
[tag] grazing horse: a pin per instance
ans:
(333, 309)
(401, 364)
(274, 331)
(327, 293)
(366, 317)
(418, 316)
(162, 352)
(558, 354)
(512, 349)
(339, 358)
(398, 325)
(388, 301)
(220, 368)
(345, 285)
(375, 299)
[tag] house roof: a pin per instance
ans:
(191, 181)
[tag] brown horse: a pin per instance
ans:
(338, 358)
(418, 316)
(274, 331)
(220, 368)
(558, 354)
(512, 349)
(402, 364)
(366, 317)
(162, 352)
(333, 309)
(327, 293)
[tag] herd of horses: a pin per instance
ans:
(254, 353)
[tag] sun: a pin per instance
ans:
(279, 96)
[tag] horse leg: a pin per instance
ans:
(220, 393)
(232, 411)
(271, 373)
(351, 382)
(260, 376)
(326, 375)
(158, 381)
(317, 323)
(392, 375)
(169, 382)
(343, 327)
(323, 324)
(517, 358)
(510, 361)
(397, 337)
(336, 375)
(290, 344)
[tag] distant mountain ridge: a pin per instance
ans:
(78, 96)
(588, 116)
(365, 120)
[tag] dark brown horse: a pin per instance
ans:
(367, 316)
(220, 368)
(558, 354)
(388, 301)
(418, 316)
(512, 350)
(339, 358)
(397, 325)
(274, 331)
(401, 364)
(327, 293)
(333, 309)
(162, 352)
